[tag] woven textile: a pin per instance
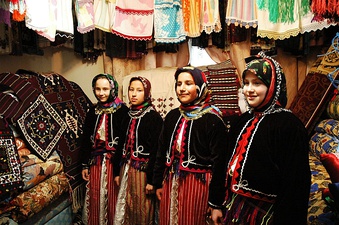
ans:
(71, 104)
(311, 99)
(42, 127)
(11, 109)
(224, 83)
(316, 90)
(10, 173)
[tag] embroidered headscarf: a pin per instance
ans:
(113, 100)
(200, 105)
(139, 109)
(271, 74)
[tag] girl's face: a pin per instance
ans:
(186, 89)
(136, 93)
(102, 89)
(254, 89)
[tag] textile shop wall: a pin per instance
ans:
(59, 60)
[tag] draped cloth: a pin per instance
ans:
(104, 12)
(168, 22)
(242, 13)
(134, 19)
(300, 22)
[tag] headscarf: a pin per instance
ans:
(200, 81)
(200, 105)
(139, 109)
(113, 99)
(271, 74)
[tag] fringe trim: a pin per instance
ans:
(78, 196)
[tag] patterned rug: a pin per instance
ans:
(10, 109)
(316, 90)
(10, 172)
(42, 127)
(54, 121)
(224, 83)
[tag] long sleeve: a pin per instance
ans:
(217, 145)
(292, 201)
(86, 145)
(153, 129)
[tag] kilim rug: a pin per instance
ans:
(316, 90)
(10, 172)
(10, 108)
(68, 107)
(223, 81)
(42, 127)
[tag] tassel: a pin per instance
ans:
(78, 196)
(16, 16)
(305, 7)
(323, 7)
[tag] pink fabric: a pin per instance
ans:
(134, 19)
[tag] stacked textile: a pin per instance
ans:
(224, 83)
(40, 131)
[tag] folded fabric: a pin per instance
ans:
(329, 126)
(331, 164)
(323, 143)
(35, 173)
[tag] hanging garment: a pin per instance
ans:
(242, 13)
(282, 28)
(210, 17)
(104, 12)
(134, 19)
(85, 15)
(168, 22)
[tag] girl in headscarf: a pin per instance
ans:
(136, 199)
(190, 164)
(268, 173)
(101, 139)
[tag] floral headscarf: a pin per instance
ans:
(138, 110)
(113, 101)
(200, 81)
(271, 74)
(200, 105)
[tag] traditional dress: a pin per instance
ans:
(138, 155)
(192, 148)
(102, 131)
(268, 174)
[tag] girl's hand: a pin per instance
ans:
(149, 189)
(159, 193)
(216, 216)
(85, 174)
(117, 180)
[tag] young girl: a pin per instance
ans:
(102, 131)
(136, 201)
(268, 174)
(190, 164)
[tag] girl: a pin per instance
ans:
(102, 131)
(192, 148)
(268, 174)
(136, 201)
